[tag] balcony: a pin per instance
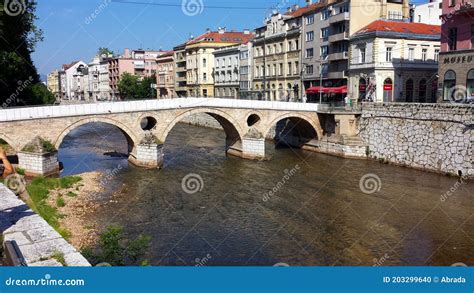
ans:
(338, 56)
(339, 37)
(339, 17)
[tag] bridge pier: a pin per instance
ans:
(39, 164)
(253, 148)
(147, 156)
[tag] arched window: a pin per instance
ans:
(388, 90)
(449, 83)
(409, 89)
(470, 83)
(422, 91)
(362, 89)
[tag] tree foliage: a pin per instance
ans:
(132, 87)
(105, 51)
(18, 38)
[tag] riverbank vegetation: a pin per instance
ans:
(116, 250)
(39, 190)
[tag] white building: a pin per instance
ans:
(246, 71)
(226, 72)
(72, 81)
(429, 13)
(98, 80)
(394, 61)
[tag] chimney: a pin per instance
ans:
(406, 9)
(126, 53)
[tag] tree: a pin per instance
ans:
(18, 38)
(41, 95)
(105, 51)
(131, 87)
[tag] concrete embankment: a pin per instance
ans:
(38, 243)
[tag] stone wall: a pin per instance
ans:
(39, 164)
(36, 239)
(435, 137)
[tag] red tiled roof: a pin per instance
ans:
(67, 66)
(401, 27)
(303, 10)
(226, 37)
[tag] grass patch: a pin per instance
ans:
(60, 202)
(71, 194)
(20, 171)
(59, 257)
(39, 189)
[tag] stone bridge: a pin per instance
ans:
(35, 133)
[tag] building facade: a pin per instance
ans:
(72, 80)
(200, 61)
(326, 30)
(393, 61)
(276, 62)
(180, 83)
(226, 72)
(246, 71)
(456, 70)
(98, 79)
(141, 63)
(428, 13)
(165, 76)
(53, 84)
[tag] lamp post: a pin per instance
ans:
(321, 63)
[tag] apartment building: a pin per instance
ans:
(165, 75)
(394, 61)
(246, 71)
(200, 58)
(226, 72)
(53, 84)
(180, 83)
(276, 52)
(139, 62)
(98, 79)
(456, 68)
(428, 13)
(72, 81)
(327, 27)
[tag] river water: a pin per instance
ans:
(317, 213)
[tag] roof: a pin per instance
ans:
(390, 26)
(226, 37)
(67, 66)
(306, 9)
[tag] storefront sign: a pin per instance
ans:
(458, 59)
(387, 87)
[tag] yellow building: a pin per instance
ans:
(53, 83)
(200, 59)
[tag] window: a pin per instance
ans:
(309, 69)
(449, 84)
(296, 71)
(395, 15)
(388, 54)
(309, 53)
(324, 32)
(436, 55)
(362, 53)
(422, 91)
(453, 39)
(289, 68)
(274, 73)
(204, 62)
(204, 77)
(325, 14)
(324, 51)
(424, 54)
(309, 19)
(280, 71)
(310, 36)
(470, 83)
(411, 54)
(409, 91)
(290, 46)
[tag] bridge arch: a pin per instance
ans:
(10, 142)
(296, 126)
(128, 133)
(232, 128)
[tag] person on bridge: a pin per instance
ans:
(7, 168)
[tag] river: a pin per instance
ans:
(317, 213)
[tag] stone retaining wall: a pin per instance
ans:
(435, 137)
(36, 239)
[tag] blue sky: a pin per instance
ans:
(75, 29)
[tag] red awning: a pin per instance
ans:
(327, 90)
